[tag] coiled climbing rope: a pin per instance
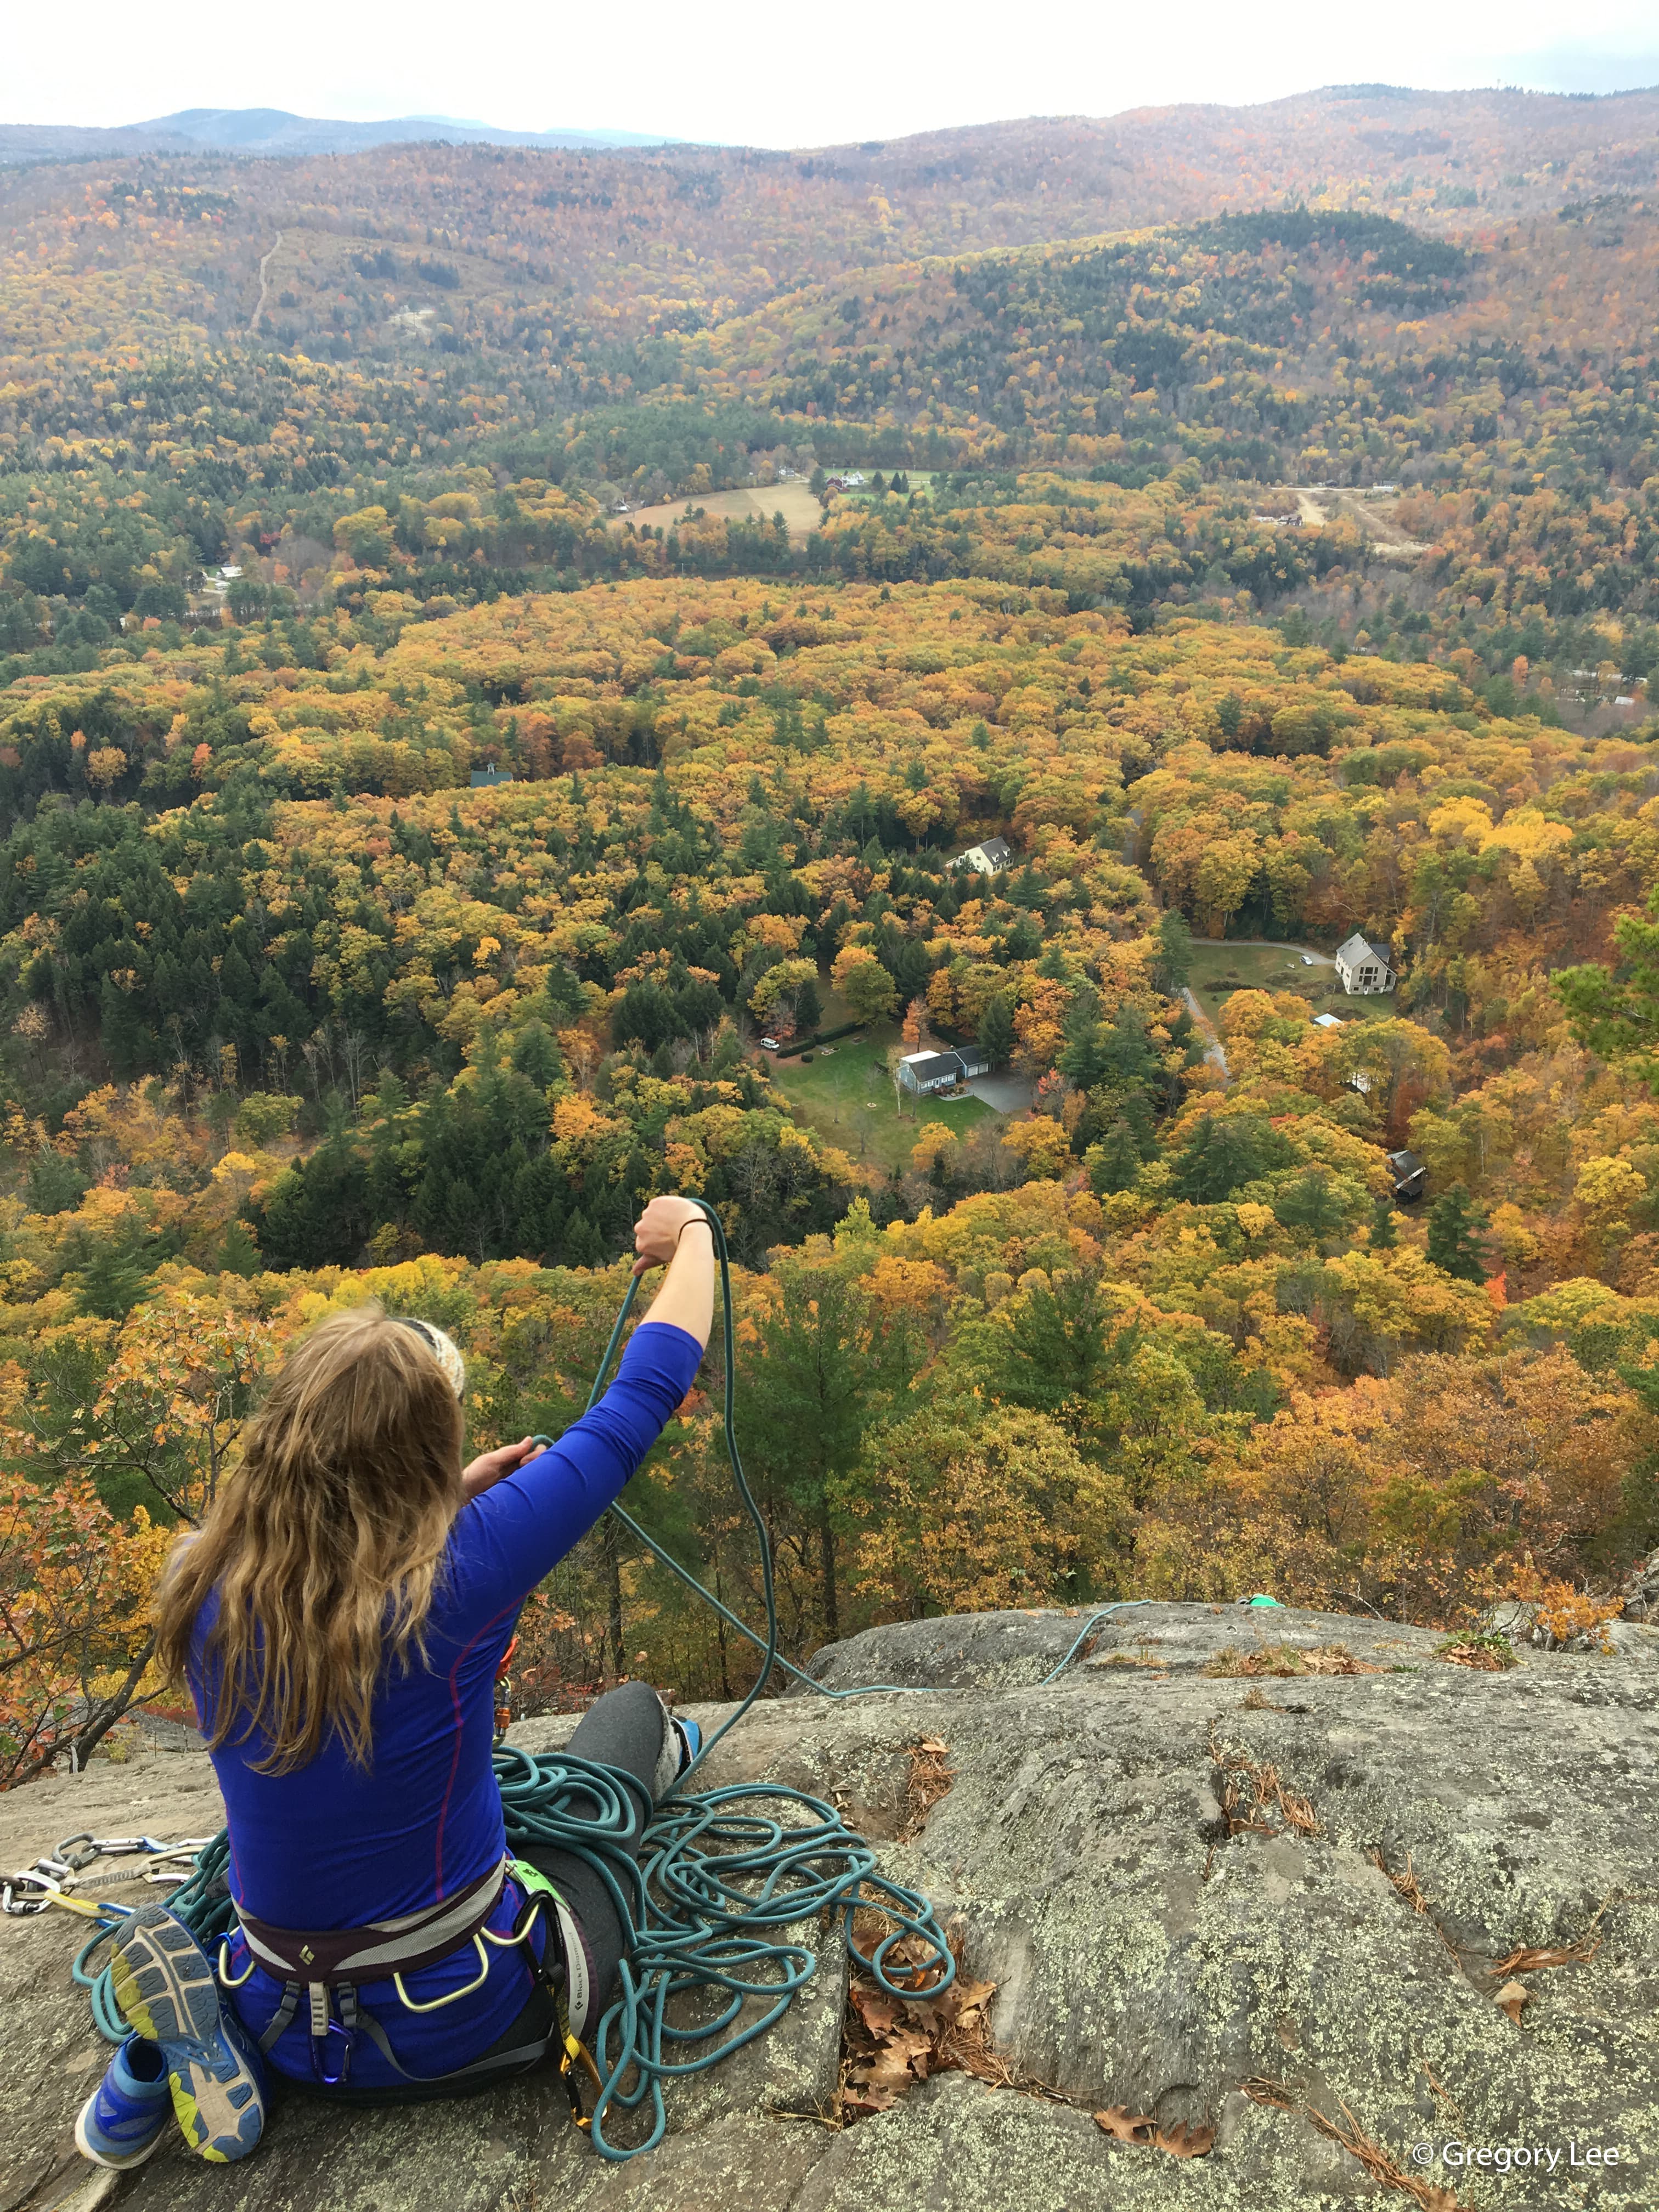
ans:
(716, 1898)
(709, 1906)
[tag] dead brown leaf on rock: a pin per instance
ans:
(879, 2013)
(1288, 1661)
(890, 2043)
(1511, 1999)
(1178, 2140)
(1181, 2141)
(1125, 2126)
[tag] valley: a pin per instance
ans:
(429, 768)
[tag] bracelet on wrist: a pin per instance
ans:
(702, 1221)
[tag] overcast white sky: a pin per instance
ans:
(752, 71)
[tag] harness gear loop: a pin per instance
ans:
(324, 1968)
(226, 1980)
(451, 1997)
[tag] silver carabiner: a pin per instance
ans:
(20, 1908)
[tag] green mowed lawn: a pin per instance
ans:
(846, 1097)
(1219, 969)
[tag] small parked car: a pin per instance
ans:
(768, 1044)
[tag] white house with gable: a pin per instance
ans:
(1364, 966)
(993, 858)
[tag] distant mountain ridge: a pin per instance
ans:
(274, 131)
(1043, 150)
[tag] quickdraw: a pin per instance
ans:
(56, 1875)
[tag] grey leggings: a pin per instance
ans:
(624, 1729)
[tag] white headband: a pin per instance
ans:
(444, 1349)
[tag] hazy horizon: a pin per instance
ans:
(736, 76)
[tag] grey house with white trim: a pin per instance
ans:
(1364, 966)
(1410, 1175)
(925, 1072)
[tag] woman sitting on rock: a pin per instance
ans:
(340, 1619)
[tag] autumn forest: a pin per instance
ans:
(487, 636)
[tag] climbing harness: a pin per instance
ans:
(716, 1897)
(327, 1965)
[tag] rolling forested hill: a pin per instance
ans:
(1252, 516)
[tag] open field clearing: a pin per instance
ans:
(1219, 969)
(1376, 512)
(799, 507)
(845, 1094)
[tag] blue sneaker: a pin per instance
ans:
(166, 1988)
(691, 1737)
(126, 2116)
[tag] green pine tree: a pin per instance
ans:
(1308, 1206)
(1384, 1235)
(536, 1055)
(237, 1252)
(823, 1369)
(112, 1280)
(1223, 1153)
(1454, 1226)
(1173, 964)
(996, 1033)
(1113, 1164)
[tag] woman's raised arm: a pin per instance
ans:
(675, 1233)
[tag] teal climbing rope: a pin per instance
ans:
(715, 1897)
(715, 1907)
(769, 1642)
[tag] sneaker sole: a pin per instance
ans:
(121, 2164)
(164, 1987)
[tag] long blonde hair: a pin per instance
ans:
(326, 1543)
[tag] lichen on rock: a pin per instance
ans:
(1164, 1936)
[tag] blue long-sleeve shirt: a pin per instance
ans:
(335, 1845)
